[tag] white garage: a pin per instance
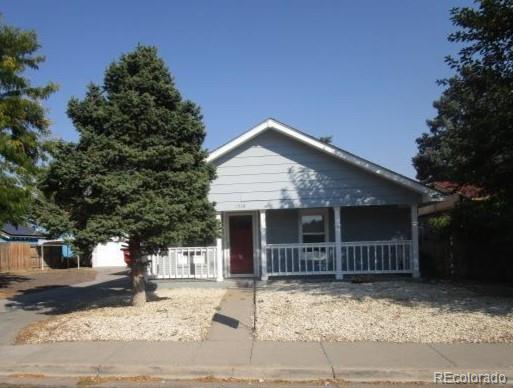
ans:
(108, 255)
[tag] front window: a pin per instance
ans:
(313, 228)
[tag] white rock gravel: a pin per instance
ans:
(388, 311)
(182, 314)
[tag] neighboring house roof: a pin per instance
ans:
(465, 190)
(20, 231)
(453, 194)
(448, 203)
(272, 124)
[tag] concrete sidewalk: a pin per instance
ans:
(369, 362)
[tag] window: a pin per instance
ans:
(313, 227)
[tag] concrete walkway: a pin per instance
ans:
(229, 350)
(234, 320)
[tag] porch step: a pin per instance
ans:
(200, 283)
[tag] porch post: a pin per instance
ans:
(219, 252)
(338, 244)
(415, 241)
(263, 246)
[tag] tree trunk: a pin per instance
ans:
(138, 267)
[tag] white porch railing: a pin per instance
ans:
(361, 257)
(300, 259)
(184, 263)
(364, 257)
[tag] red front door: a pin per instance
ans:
(241, 244)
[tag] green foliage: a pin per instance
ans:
(471, 138)
(23, 123)
(138, 169)
(490, 222)
(440, 223)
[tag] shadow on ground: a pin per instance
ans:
(51, 300)
(7, 279)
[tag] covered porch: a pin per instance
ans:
(333, 241)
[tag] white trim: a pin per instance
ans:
(314, 211)
(226, 249)
(219, 252)
(263, 244)
(415, 240)
(327, 148)
(338, 243)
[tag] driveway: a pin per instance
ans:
(25, 307)
(12, 283)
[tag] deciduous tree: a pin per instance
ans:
(23, 121)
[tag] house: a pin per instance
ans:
(25, 248)
(17, 252)
(20, 234)
(290, 204)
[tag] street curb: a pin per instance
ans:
(359, 375)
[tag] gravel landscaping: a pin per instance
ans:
(386, 311)
(182, 314)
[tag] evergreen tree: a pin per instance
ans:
(471, 138)
(23, 123)
(138, 170)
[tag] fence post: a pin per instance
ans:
(42, 256)
(338, 244)
(415, 240)
(263, 246)
(219, 253)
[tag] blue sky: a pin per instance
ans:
(361, 71)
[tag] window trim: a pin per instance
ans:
(310, 212)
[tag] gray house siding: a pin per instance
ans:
(363, 223)
(272, 171)
(375, 223)
(282, 226)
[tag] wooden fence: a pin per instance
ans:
(18, 257)
(445, 255)
(24, 257)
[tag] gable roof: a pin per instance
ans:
(272, 124)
